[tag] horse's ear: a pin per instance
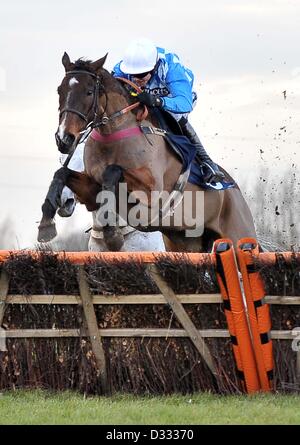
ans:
(66, 61)
(98, 64)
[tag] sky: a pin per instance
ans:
(244, 54)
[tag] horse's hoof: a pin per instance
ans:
(113, 238)
(67, 209)
(47, 233)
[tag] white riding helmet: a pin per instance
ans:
(140, 57)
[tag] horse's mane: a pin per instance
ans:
(82, 64)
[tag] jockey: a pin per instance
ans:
(166, 84)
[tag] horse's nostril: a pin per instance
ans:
(68, 139)
(65, 143)
(57, 140)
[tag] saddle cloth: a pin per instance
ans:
(186, 152)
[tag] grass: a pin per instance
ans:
(39, 407)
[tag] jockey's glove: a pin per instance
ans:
(149, 100)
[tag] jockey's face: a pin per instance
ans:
(142, 81)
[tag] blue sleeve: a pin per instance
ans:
(118, 73)
(180, 89)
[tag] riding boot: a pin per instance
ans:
(213, 174)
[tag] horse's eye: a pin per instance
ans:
(90, 92)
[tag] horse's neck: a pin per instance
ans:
(115, 101)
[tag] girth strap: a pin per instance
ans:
(126, 133)
(117, 135)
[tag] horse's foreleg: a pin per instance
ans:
(85, 188)
(47, 230)
(113, 237)
(176, 241)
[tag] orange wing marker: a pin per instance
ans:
(258, 311)
(228, 279)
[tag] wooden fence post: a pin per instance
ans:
(4, 285)
(92, 326)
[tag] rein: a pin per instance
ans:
(129, 107)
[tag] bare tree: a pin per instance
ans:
(275, 205)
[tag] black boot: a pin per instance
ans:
(213, 174)
(55, 192)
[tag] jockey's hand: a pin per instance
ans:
(149, 99)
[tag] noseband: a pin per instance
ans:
(97, 119)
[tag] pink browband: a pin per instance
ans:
(117, 135)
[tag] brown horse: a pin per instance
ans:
(90, 97)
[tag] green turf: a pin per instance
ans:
(41, 407)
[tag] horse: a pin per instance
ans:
(92, 99)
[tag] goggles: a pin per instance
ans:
(141, 75)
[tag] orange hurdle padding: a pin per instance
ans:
(258, 311)
(228, 279)
(110, 257)
(270, 258)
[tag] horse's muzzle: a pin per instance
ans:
(65, 144)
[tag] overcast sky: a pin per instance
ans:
(243, 53)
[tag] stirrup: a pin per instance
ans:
(214, 174)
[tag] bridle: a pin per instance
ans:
(102, 119)
(94, 107)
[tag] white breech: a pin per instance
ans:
(134, 241)
(76, 164)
